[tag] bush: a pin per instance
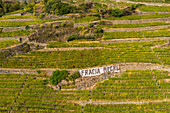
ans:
(58, 76)
(29, 8)
(63, 24)
(81, 27)
(58, 8)
(85, 31)
(101, 23)
(76, 37)
(38, 71)
(41, 26)
(41, 16)
(27, 27)
(90, 25)
(98, 29)
(74, 76)
(54, 26)
(117, 12)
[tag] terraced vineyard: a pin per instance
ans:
(28, 93)
(15, 33)
(134, 85)
(81, 56)
(120, 52)
(136, 34)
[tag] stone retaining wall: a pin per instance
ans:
(64, 16)
(136, 29)
(9, 29)
(138, 21)
(149, 13)
(123, 68)
(135, 40)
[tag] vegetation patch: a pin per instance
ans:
(119, 52)
(136, 25)
(15, 33)
(87, 19)
(19, 17)
(136, 34)
(156, 1)
(155, 9)
(8, 43)
(136, 17)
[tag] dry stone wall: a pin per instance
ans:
(9, 29)
(137, 29)
(149, 13)
(138, 21)
(135, 40)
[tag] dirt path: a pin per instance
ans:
(12, 38)
(123, 68)
(138, 21)
(135, 40)
(28, 19)
(130, 102)
(71, 48)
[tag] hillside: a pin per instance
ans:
(85, 56)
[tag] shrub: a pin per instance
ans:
(41, 16)
(90, 25)
(81, 27)
(117, 12)
(29, 8)
(58, 76)
(85, 31)
(98, 29)
(76, 37)
(27, 27)
(54, 26)
(101, 23)
(63, 24)
(41, 26)
(74, 76)
(38, 71)
(58, 8)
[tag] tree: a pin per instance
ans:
(58, 76)
(25, 3)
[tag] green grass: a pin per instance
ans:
(136, 25)
(136, 34)
(136, 17)
(8, 43)
(118, 52)
(15, 33)
(19, 17)
(86, 19)
(155, 9)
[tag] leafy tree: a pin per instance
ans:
(58, 76)
(59, 8)
(29, 8)
(74, 76)
(25, 3)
